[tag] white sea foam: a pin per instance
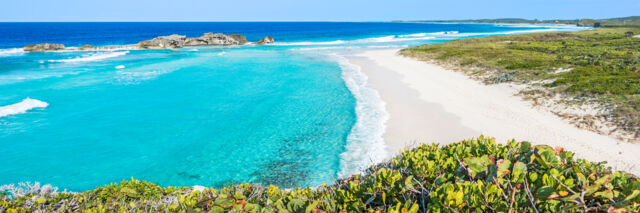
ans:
(151, 71)
(428, 34)
(420, 36)
(222, 53)
(92, 57)
(365, 145)
(22, 107)
(120, 67)
(138, 75)
(11, 52)
(305, 43)
(382, 39)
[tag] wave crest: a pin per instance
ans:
(92, 57)
(11, 52)
(22, 107)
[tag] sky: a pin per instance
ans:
(301, 10)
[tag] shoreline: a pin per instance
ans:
(452, 114)
(411, 120)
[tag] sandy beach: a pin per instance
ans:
(428, 103)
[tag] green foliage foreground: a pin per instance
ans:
(476, 175)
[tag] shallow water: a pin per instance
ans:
(291, 114)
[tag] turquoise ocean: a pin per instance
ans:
(293, 113)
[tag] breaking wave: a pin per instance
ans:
(11, 52)
(22, 107)
(417, 37)
(92, 57)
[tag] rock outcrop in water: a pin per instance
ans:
(86, 47)
(178, 41)
(43, 47)
(240, 38)
(161, 42)
(266, 40)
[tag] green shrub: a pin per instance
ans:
(476, 175)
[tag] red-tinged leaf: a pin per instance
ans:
(553, 196)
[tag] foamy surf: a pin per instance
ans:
(92, 57)
(22, 107)
(306, 43)
(382, 39)
(11, 52)
(419, 37)
(365, 144)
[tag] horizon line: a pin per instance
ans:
(424, 20)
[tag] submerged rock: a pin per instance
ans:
(43, 47)
(266, 40)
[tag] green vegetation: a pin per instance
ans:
(631, 21)
(601, 65)
(476, 175)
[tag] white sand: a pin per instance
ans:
(428, 103)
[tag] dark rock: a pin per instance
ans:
(43, 47)
(219, 39)
(195, 42)
(240, 38)
(178, 41)
(266, 40)
(86, 47)
(163, 42)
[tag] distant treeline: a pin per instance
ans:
(611, 22)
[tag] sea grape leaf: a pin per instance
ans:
(311, 207)
(504, 168)
(544, 192)
(217, 209)
(525, 147)
(548, 158)
(519, 170)
(370, 200)
(533, 176)
(296, 205)
(239, 196)
(608, 194)
(634, 194)
(223, 202)
(128, 191)
(571, 197)
(477, 164)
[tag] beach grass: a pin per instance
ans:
(602, 65)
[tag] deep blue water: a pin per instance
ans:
(291, 114)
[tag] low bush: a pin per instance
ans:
(477, 175)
